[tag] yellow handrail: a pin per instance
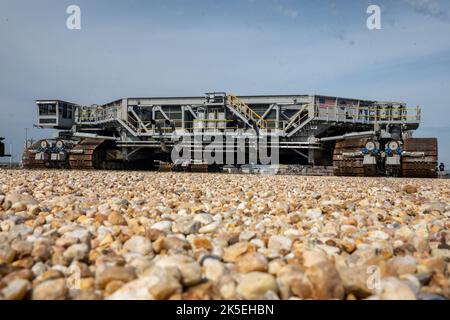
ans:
(247, 111)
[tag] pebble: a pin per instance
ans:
(39, 268)
(151, 235)
(164, 226)
(354, 280)
(379, 235)
(82, 235)
(186, 266)
(185, 225)
(135, 290)
(279, 243)
(22, 198)
(210, 227)
(7, 254)
(51, 290)
(290, 280)
(252, 262)
(395, 289)
(213, 269)
(233, 252)
(41, 251)
(116, 219)
(165, 286)
(313, 257)
(116, 273)
(203, 243)
(403, 265)
(139, 245)
(256, 285)
(111, 287)
(314, 213)
(77, 251)
(171, 244)
(433, 206)
(246, 235)
(410, 188)
(16, 289)
(325, 282)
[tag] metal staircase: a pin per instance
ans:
(245, 112)
(297, 122)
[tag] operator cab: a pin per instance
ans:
(55, 114)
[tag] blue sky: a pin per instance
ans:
(153, 48)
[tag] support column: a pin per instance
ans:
(123, 112)
(182, 117)
(153, 117)
(277, 117)
(311, 156)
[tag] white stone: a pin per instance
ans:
(279, 243)
(139, 245)
(213, 269)
(164, 226)
(314, 213)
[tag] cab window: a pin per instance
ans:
(64, 110)
(47, 109)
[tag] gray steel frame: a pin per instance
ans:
(296, 120)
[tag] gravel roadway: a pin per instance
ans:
(151, 235)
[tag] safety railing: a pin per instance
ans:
(299, 120)
(191, 126)
(133, 123)
(90, 115)
(366, 114)
(96, 115)
(248, 112)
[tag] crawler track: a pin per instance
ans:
(348, 166)
(86, 155)
(420, 167)
(412, 164)
(28, 158)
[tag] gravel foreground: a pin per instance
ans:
(149, 235)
